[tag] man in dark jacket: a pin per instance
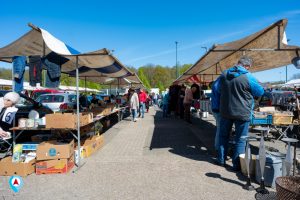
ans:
(237, 88)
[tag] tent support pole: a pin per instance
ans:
(43, 71)
(85, 84)
(278, 28)
(78, 116)
(118, 86)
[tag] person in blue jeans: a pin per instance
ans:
(215, 107)
(165, 103)
(237, 90)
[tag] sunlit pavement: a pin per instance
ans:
(153, 158)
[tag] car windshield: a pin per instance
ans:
(23, 102)
(72, 98)
(50, 98)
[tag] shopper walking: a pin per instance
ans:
(165, 102)
(142, 99)
(180, 101)
(134, 103)
(237, 90)
(187, 102)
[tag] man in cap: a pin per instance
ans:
(7, 113)
(237, 90)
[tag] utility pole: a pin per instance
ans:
(177, 72)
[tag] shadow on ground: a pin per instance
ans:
(174, 134)
(194, 141)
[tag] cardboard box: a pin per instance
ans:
(86, 129)
(102, 111)
(56, 166)
(91, 145)
(67, 120)
(42, 137)
(54, 150)
(8, 168)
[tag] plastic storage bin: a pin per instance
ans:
(273, 169)
(258, 121)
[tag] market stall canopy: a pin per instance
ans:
(268, 49)
(132, 80)
(40, 42)
(291, 84)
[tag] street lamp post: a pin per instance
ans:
(177, 73)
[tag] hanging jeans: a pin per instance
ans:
(19, 63)
(35, 70)
(53, 74)
(241, 129)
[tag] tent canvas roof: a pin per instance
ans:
(268, 49)
(40, 42)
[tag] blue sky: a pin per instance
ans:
(143, 32)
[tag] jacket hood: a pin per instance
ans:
(235, 72)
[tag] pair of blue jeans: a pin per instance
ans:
(19, 63)
(134, 114)
(241, 129)
(217, 117)
(165, 110)
(142, 109)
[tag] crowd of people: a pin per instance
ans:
(139, 102)
(232, 102)
(178, 100)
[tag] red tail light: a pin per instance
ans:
(63, 106)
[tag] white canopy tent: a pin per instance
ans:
(290, 84)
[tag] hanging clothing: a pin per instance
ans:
(35, 70)
(52, 63)
(19, 63)
(53, 74)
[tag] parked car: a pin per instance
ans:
(58, 101)
(36, 93)
(26, 104)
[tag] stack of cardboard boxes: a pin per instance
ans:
(89, 146)
(54, 157)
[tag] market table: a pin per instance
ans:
(15, 135)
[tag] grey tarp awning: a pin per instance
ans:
(268, 49)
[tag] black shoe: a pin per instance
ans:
(216, 162)
(234, 169)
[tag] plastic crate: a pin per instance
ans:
(258, 121)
